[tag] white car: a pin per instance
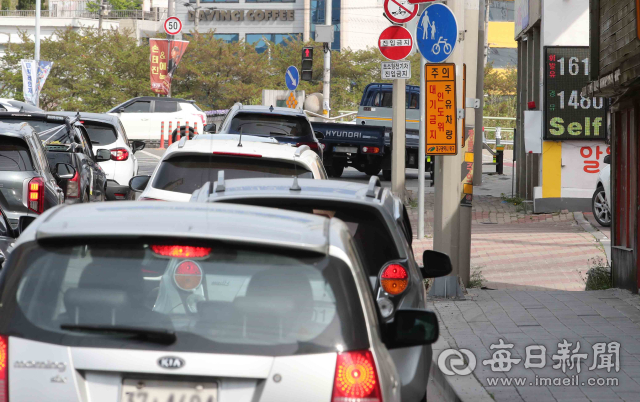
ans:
(12, 105)
(107, 132)
(188, 164)
(143, 117)
(600, 200)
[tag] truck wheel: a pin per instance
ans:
(372, 170)
(386, 175)
(336, 170)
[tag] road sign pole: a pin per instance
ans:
(398, 131)
(421, 150)
(326, 80)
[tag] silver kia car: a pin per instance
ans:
(213, 302)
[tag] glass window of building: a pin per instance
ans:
(502, 11)
(317, 18)
(258, 40)
(229, 38)
(214, 1)
(270, 1)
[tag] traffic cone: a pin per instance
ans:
(178, 131)
(170, 133)
(162, 135)
(195, 128)
(186, 129)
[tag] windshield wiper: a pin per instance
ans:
(161, 336)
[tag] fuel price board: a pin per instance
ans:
(569, 115)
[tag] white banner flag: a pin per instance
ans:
(29, 90)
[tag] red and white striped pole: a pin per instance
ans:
(186, 129)
(162, 135)
(178, 131)
(195, 128)
(170, 133)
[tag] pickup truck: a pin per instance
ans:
(351, 145)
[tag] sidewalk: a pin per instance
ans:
(544, 320)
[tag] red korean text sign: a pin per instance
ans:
(440, 114)
(395, 43)
(165, 56)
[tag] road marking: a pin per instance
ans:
(150, 154)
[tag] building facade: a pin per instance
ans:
(615, 72)
(502, 49)
(561, 135)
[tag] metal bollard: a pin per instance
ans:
(162, 135)
(170, 133)
(499, 152)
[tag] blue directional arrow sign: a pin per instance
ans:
(292, 78)
(437, 33)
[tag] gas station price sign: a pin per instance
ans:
(568, 115)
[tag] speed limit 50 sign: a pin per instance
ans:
(173, 26)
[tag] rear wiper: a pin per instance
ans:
(160, 336)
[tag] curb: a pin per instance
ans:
(455, 388)
(592, 230)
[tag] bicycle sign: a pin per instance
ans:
(400, 11)
(436, 33)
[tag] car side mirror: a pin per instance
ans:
(210, 128)
(137, 146)
(24, 222)
(607, 159)
(120, 110)
(103, 155)
(319, 135)
(412, 327)
(64, 171)
(139, 183)
(436, 264)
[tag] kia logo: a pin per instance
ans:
(171, 362)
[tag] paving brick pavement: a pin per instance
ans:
(515, 250)
(548, 318)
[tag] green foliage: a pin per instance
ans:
(6, 5)
(26, 5)
(476, 279)
(94, 6)
(598, 275)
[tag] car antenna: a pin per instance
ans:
(271, 108)
(21, 109)
(240, 141)
(295, 186)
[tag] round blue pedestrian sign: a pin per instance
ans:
(292, 78)
(436, 33)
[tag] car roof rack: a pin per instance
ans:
(374, 182)
(301, 149)
(218, 186)
(183, 141)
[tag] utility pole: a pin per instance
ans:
(37, 51)
(487, 6)
(197, 20)
(326, 80)
(422, 142)
(398, 131)
(100, 16)
(171, 11)
(482, 61)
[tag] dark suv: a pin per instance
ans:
(66, 142)
(284, 124)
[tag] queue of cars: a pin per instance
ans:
(253, 279)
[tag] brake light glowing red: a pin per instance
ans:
(394, 279)
(370, 150)
(73, 187)
(356, 378)
(181, 251)
(238, 154)
(188, 275)
(119, 154)
(35, 198)
(4, 368)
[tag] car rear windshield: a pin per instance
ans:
(48, 131)
(370, 232)
(101, 134)
(222, 298)
(14, 155)
(185, 174)
(270, 125)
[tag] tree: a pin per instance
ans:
(500, 88)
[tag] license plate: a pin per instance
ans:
(168, 391)
(352, 150)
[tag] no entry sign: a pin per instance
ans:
(395, 43)
(400, 11)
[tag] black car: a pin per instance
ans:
(284, 124)
(66, 142)
(9, 234)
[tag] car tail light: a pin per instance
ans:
(370, 150)
(4, 368)
(119, 196)
(73, 187)
(181, 251)
(238, 154)
(394, 279)
(119, 154)
(313, 145)
(188, 275)
(356, 378)
(35, 195)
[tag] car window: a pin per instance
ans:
(189, 107)
(138, 107)
(100, 134)
(166, 107)
(383, 99)
(185, 174)
(413, 100)
(15, 155)
(270, 125)
(222, 299)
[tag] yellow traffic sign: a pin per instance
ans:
(441, 113)
(292, 102)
